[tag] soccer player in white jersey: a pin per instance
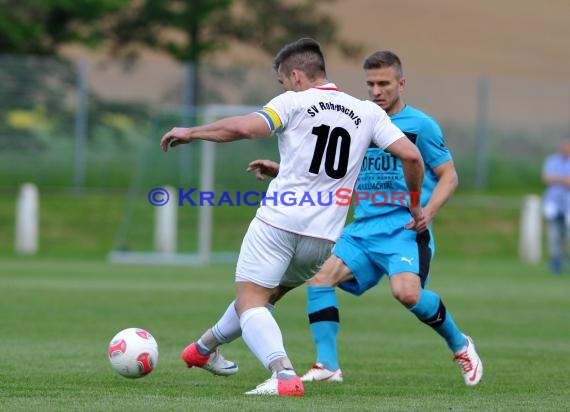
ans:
(323, 135)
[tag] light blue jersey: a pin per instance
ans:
(381, 174)
(377, 243)
(557, 196)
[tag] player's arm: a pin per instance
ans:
(413, 167)
(263, 168)
(446, 185)
(551, 178)
(229, 129)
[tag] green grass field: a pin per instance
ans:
(58, 316)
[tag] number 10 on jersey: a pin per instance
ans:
(331, 141)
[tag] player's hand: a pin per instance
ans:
(175, 137)
(428, 214)
(419, 222)
(263, 168)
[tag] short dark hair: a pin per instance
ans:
(304, 54)
(384, 58)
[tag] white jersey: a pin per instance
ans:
(323, 135)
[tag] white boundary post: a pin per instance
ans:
(530, 240)
(27, 220)
(165, 218)
(165, 237)
(205, 212)
(207, 176)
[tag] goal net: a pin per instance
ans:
(205, 218)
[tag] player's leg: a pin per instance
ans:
(565, 253)
(428, 308)
(322, 305)
(226, 330)
(263, 336)
(324, 322)
(555, 230)
(408, 273)
(259, 329)
(205, 353)
(265, 258)
(308, 255)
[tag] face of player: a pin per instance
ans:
(384, 89)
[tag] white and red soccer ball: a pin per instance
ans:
(133, 353)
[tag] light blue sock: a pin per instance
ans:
(431, 311)
(322, 308)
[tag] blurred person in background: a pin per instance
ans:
(556, 205)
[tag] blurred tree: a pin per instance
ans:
(187, 30)
(40, 27)
(269, 24)
(190, 29)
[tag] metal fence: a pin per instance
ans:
(83, 123)
(96, 124)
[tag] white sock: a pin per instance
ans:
(227, 328)
(262, 335)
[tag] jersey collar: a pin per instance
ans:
(328, 86)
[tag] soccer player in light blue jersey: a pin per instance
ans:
(377, 242)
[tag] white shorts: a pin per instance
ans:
(270, 257)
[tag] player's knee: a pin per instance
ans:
(332, 273)
(406, 288)
(406, 296)
(321, 279)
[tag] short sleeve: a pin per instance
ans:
(431, 144)
(384, 132)
(278, 110)
(272, 118)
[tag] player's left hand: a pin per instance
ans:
(263, 168)
(419, 221)
(175, 137)
(428, 214)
